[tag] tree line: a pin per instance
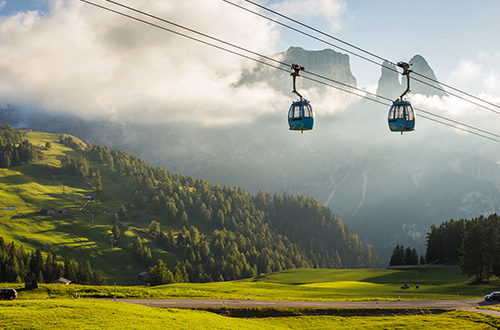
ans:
(473, 244)
(405, 257)
(14, 150)
(69, 141)
(16, 264)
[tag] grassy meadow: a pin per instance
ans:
(295, 284)
(52, 306)
(91, 314)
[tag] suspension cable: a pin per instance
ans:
(366, 52)
(352, 91)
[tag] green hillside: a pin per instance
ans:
(84, 233)
(209, 232)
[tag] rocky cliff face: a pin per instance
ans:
(389, 84)
(327, 62)
(424, 86)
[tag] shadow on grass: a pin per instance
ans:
(420, 276)
(265, 312)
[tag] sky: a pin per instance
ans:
(453, 36)
(68, 56)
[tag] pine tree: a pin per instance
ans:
(5, 160)
(159, 274)
(116, 233)
(71, 270)
(474, 252)
(98, 278)
(36, 263)
(85, 274)
(154, 228)
(171, 242)
(98, 181)
(422, 260)
(39, 278)
(411, 256)
(398, 257)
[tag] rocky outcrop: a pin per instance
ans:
(421, 85)
(327, 62)
(389, 84)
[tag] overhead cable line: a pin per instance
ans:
(309, 35)
(364, 51)
(373, 98)
(181, 27)
(393, 69)
(182, 35)
(313, 29)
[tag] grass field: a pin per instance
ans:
(296, 284)
(60, 311)
(91, 314)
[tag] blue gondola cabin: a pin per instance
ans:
(301, 116)
(401, 117)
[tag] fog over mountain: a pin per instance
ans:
(387, 187)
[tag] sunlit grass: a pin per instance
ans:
(91, 314)
(259, 289)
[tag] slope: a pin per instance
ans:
(209, 232)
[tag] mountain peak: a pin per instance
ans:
(420, 66)
(389, 84)
(326, 62)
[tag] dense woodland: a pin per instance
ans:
(16, 263)
(14, 150)
(472, 244)
(243, 235)
(224, 233)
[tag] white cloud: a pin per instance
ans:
(460, 111)
(84, 60)
(480, 74)
(330, 11)
(2, 4)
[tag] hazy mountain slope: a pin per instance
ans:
(388, 188)
(211, 232)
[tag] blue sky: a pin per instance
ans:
(10, 7)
